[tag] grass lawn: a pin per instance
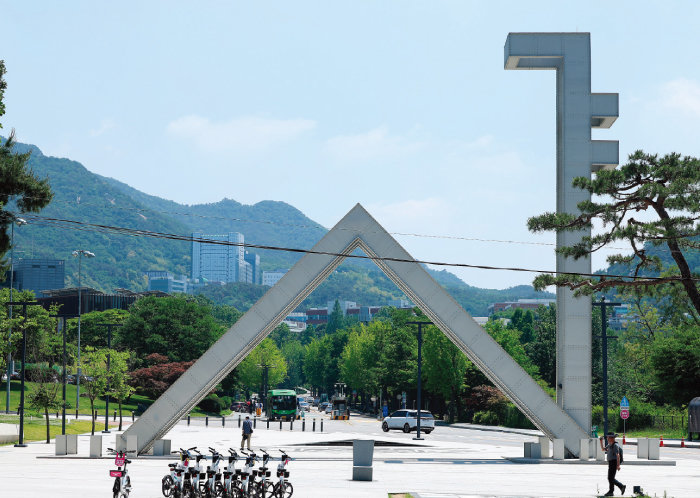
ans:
(35, 429)
(127, 408)
(676, 433)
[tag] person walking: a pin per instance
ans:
(247, 432)
(613, 456)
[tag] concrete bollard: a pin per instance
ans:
(71, 444)
(532, 450)
(544, 447)
(362, 456)
(115, 416)
(313, 427)
(239, 420)
(558, 451)
(188, 420)
(643, 448)
(128, 444)
(132, 416)
(321, 425)
(599, 453)
(95, 446)
(280, 424)
(584, 449)
(61, 448)
(303, 425)
(654, 448)
(268, 424)
(161, 447)
(223, 421)
(291, 425)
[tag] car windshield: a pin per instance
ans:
(422, 414)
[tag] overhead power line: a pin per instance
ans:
(315, 226)
(84, 226)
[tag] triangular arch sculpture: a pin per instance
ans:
(356, 230)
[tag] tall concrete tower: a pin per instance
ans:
(578, 110)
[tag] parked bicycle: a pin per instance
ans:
(212, 487)
(232, 477)
(262, 487)
(246, 486)
(283, 488)
(122, 482)
(173, 484)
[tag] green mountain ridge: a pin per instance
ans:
(121, 260)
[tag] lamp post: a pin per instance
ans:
(79, 253)
(109, 326)
(604, 337)
(63, 410)
(24, 305)
(420, 365)
(18, 222)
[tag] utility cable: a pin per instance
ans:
(79, 225)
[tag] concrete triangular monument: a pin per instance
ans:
(356, 230)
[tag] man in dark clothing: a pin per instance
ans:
(247, 432)
(612, 452)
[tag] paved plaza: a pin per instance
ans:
(451, 462)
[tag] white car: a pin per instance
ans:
(407, 421)
(304, 406)
(329, 408)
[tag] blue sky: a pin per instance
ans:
(403, 106)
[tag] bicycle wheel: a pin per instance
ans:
(283, 492)
(219, 490)
(167, 486)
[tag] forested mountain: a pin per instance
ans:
(121, 260)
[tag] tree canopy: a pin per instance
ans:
(649, 202)
(19, 184)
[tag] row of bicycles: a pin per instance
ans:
(188, 478)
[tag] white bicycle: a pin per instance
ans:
(122, 483)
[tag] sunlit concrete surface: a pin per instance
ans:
(450, 462)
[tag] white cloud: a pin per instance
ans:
(431, 215)
(238, 134)
(105, 126)
(374, 144)
(682, 94)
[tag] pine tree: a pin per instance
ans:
(668, 189)
(18, 182)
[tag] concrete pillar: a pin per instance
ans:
(584, 451)
(532, 450)
(362, 456)
(161, 447)
(643, 448)
(544, 447)
(558, 451)
(654, 449)
(71, 444)
(61, 445)
(599, 453)
(577, 110)
(95, 446)
(127, 443)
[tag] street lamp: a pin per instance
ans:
(109, 326)
(79, 253)
(19, 222)
(420, 365)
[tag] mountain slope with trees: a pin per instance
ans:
(121, 260)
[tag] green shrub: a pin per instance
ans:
(212, 404)
(516, 419)
(486, 418)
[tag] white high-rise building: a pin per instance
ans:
(220, 262)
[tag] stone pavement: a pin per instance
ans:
(427, 469)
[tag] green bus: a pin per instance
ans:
(281, 404)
